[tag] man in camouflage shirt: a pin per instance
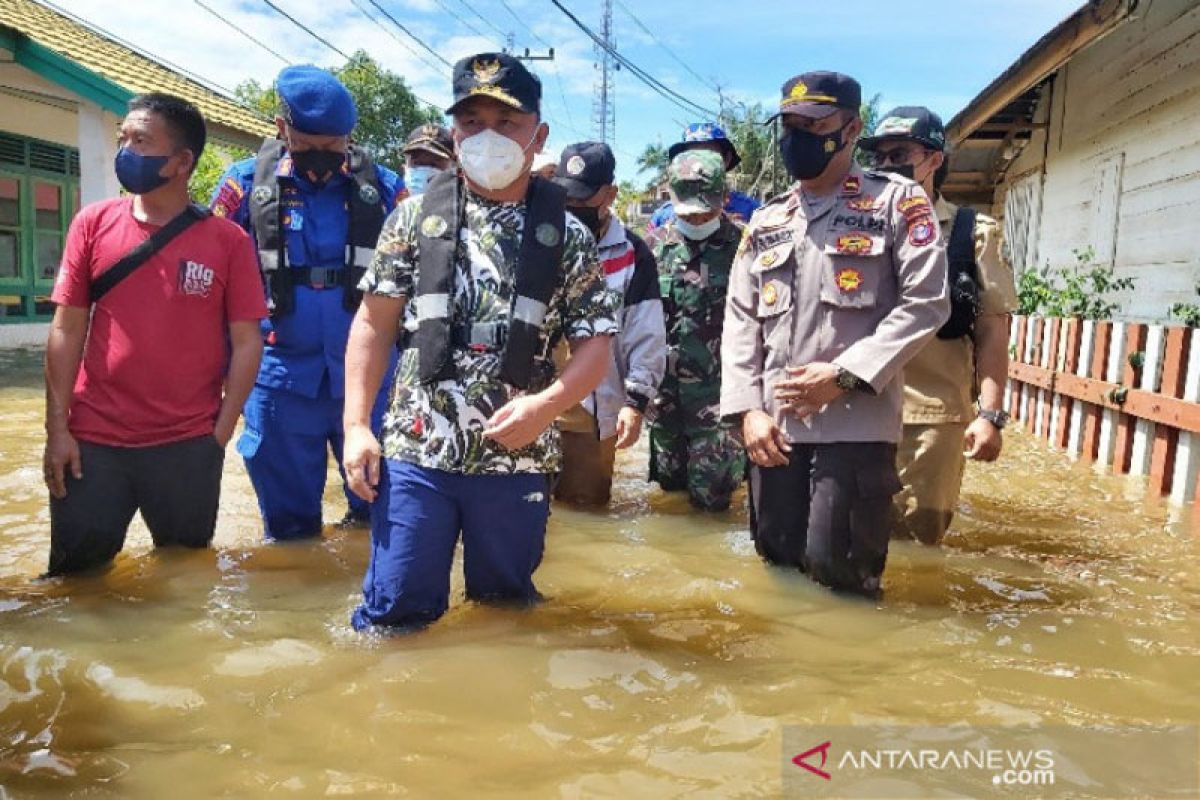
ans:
(690, 447)
(466, 449)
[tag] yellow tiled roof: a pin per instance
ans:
(123, 66)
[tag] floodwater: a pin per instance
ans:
(664, 663)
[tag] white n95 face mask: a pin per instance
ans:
(491, 160)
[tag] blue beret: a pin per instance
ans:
(316, 102)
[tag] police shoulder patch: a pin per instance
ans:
(922, 231)
(914, 208)
(228, 199)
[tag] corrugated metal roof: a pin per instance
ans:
(125, 67)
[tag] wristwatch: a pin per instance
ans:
(997, 418)
(847, 381)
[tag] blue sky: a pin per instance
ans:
(938, 53)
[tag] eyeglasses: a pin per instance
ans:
(898, 156)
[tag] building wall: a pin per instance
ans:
(32, 106)
(1121, 170)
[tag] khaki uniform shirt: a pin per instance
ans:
(857, 278)
(939, 383)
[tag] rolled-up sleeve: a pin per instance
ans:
(741, 338)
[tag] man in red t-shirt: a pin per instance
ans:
(145, 386)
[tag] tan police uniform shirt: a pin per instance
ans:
(939, 383)
(857, 278)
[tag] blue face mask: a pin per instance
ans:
(416, 178)
(138, 173)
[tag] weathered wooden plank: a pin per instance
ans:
(1166, 438)
(1135, 341)
(1079, 411)
(1143, 430)
(1187, 456)
(1046, 396)
(1094, 413)
(1109, 417)
(1064, 407)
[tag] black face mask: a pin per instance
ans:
(903, 170)
(318, 165)
(806, 155)
(589, 216)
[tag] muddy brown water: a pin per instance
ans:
(664, 663)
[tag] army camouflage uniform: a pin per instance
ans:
(690, 447)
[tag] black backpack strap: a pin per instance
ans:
(960, 252)
(146, 250)
(962, 277)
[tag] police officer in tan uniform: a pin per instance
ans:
(838, 283)
(968, 359)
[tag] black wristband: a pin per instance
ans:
(637, 402)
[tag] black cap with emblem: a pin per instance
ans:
(499, 76)
(585, 169)
(816, 95)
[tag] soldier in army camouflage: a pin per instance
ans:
(690, 447)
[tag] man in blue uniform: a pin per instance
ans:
(315, 205)
(709, 136)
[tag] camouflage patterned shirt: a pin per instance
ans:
(693, 290)
(440, 426)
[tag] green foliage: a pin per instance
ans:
(212, 165)
(1083, 290)
(869, 112)
(627, 195)
(755, 142)
(653, 160)
(387, 108)
(1187, 313)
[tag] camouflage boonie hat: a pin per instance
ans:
(696, 179)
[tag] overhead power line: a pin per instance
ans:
(706, 81)
(410, 34)
(311, 33)
(305, 28)
(242, 32)
(662, 89)
(416, 53)
(467, 5)
(524, 24)
(462, 20)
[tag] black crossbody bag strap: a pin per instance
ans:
(144, 251)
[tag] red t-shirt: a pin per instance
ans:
(158, 349)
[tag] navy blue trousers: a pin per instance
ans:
(286, 445)
(415, 525)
